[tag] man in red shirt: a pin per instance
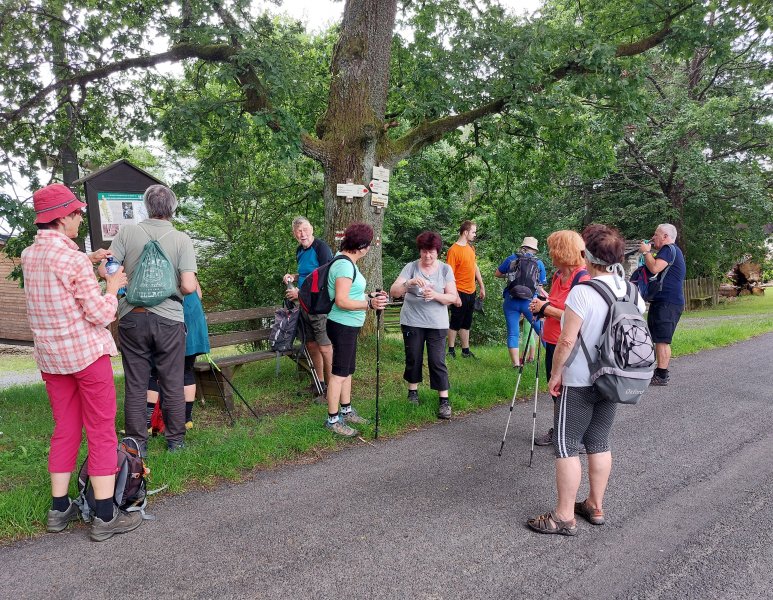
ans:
(461, 259)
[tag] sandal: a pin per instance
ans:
(592, 515)
(547, 523)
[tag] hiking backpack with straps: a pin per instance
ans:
(625, 361)
(155, 278)
(313, 295)
(523, 276)
(284, 328)
(131, 492)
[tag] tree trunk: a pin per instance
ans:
(352, 130)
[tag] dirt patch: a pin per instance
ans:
(13, 350)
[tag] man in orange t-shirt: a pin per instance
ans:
(461, 259)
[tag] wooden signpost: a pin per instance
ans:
(350, 190)
(379, 186)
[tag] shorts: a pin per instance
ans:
(313, 328)
(344, 340)
(662, 319)
(189, 377)
(461, 316)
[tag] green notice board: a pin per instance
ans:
(117, 209)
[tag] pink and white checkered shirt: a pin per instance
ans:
(67, 312)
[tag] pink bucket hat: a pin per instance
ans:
(54, 201)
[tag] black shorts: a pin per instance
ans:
(662, 319)
(344, 340)
(189, 377)
(461, 316)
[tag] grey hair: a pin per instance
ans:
(160, 201)
(669, 230)
(298, 221)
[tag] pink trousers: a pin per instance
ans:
(78, 400)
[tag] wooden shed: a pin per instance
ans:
(14, 327)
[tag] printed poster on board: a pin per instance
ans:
(119, 208)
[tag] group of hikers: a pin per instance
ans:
(69, 315)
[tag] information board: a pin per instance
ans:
(117, 209)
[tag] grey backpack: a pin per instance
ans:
(625, 361)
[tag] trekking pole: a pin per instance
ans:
(233, 387)
(220, 390)
(517, 384)
(534, 412)
(378, 359)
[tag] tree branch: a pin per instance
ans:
(212, 53)
(431, 131)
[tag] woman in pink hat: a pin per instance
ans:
(68, 315)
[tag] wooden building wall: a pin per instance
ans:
(13, 308)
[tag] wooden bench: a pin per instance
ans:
(700, 302)
(391, 316)
(256, 328)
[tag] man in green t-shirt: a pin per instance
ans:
(155, 335)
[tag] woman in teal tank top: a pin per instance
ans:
(347, 286)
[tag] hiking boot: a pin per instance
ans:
(353, 417)
(320, 399)
(122, 522)
(545, 440)
(658, 380)
(189, 425)
(341, 428)
(58, 520)
(468, 354)
(444, 410)
(413, 397)
(175, 446)
(452, 352)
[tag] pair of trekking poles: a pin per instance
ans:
(515, 393)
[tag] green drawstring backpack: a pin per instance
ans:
(155, 278)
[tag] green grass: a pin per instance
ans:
(744, 305)
(17, 363)
(291, 427)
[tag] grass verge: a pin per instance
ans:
(291, 427)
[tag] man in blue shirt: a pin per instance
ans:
(666, 308)
(310, 254)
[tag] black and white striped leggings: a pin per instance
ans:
(581, 415)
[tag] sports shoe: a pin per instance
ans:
(452, 352)
(188, 424)
(545, 440)
(353, 417)
(341, 428)
(658, 380)
(468, 354)
(413, 397)
(444, 410)
(175, 446)
(58, 520)
(122, 522)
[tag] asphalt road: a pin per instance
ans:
(436, 514)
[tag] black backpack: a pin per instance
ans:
(523, 277)
(313, 294)
(131, 492)
(284, 328)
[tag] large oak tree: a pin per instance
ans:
(86, 70)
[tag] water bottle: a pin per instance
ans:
(642, 261)
(111, 266)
